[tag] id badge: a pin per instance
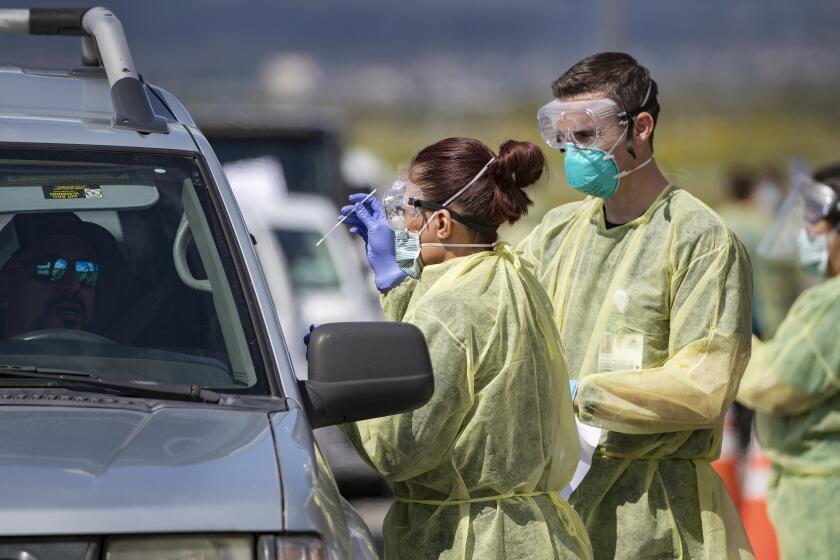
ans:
(621, 351)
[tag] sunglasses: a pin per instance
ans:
(54, 270)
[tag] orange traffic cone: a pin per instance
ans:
(728, 465)
(754, 505)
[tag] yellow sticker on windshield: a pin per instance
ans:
(65, 192)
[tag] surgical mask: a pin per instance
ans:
(813, 252)
(595, 172)
(407, 248)
(407, 251)
(407, 244)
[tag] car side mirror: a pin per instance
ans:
(365, 370)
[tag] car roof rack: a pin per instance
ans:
(104, 45)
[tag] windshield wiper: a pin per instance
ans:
(126, 388)
(24, 370)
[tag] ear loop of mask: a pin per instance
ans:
(610, 155)
(630, 118)
(447, 202)
(621, 174)
(460, 244)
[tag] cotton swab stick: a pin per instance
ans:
(341, 221)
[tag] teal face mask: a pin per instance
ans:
(595, 172)
(813, 253)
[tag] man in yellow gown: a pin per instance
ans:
(651, 294)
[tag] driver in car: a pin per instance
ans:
(49, 268)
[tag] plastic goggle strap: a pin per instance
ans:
(468, 185)
(630, 115)
(460, 192)
(455, 216)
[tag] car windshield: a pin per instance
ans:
(114, 263)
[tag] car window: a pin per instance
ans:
(115, 264)
(310, 267)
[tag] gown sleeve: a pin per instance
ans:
(395, 301)
(406, 445)
(797, 370)
(708, 349)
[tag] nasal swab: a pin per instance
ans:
(341, 221)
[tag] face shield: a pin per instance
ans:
(808, 203)
(583, 124)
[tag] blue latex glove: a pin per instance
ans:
(307, 336)
(350, 218)
(368, 220)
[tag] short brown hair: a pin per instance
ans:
(829, 175)
(616, 74)
(620, 78)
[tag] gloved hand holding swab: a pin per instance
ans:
(341, 221)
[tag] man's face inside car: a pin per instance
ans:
(32, 301)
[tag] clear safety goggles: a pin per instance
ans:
(808, 203)
(397, 209)
(584, 124)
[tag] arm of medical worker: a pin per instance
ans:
(407, 445)
(395, 301)
(708, 347)
(372, 225)
(797, 370)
